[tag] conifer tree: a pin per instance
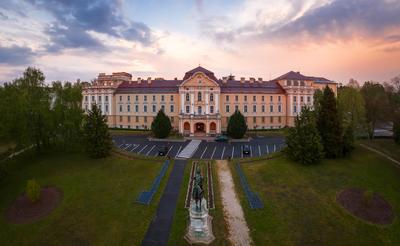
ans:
(237, 126)
(161, 125)
(97, 137)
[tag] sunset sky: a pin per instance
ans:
(70, 39)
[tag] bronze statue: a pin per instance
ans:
(197, 193)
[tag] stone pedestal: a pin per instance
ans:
(200, 227)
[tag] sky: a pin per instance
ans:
(71, 39)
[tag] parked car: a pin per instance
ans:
(221, 138)
(163, 150)
(246, 150)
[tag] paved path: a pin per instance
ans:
(381, 153)
(160, 226)
(238, 230)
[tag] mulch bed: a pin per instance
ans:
(22, 210)
(378, 211)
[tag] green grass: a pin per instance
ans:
(384, 145)
(181, 217)
(98, 205)
(300, 206)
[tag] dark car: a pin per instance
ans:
(163, 150)
(221, 138)
(246, 150)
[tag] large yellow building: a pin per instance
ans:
(200, 104)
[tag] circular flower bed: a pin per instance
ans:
(367, 206)
(22, 210)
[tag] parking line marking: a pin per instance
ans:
(274, 147)
(233, 150)
(170, 148)
(267, 150)
(180, 147)
(259, 150)
(148, 152)
(142, 149)
(120, 145)
(129, 145)
(242, 150)
(201, 157)
(213, 152)
(251, 151)
(223, 151)
(135, 147)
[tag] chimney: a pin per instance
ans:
(139, 80)
(260, 80)
(252, 80)
(242, 79)
(224, 80)
(176, 78)
(149, 80)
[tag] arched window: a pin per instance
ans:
(187, 97)
(211, 97)
(199, 96)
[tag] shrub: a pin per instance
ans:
(33, 190)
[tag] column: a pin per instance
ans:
(298, 103)
(216, 102)
(90, 101)
(110, 106)
(182, 102)
(192, 102)
(103, 107)
(290, 104)
(207, 106)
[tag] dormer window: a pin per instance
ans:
(302, 83)
(289, 83)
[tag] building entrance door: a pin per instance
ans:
(200, 129)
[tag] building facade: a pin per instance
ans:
(199, 103)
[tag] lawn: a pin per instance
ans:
(98, 205)
(384, 145)
(181, 216)
(300, 206)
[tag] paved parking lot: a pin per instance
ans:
(207, 149)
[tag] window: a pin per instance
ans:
(145, 120)
(254, 108)
(86, 107)
(172, 98)
(211, 97)
(271, 98)
(120, 108)
(227, 109)
(279, 108)
(162, 98)
(154, 108)
(128, 108)
(308, 99)
(279, 98)
(106, 98)
(163, 108)
(263, 108)
(294, 109)
(301, 99)
(245, 108)
(120, 119)
(136, 108)
(129, 119)
(120, 98)
(271, 119)
(211, 109)
(187, 97)
(236, 107)
(245, 98)
(129, 98)
(99, 98)
(289, 83)
(279, 119)
(271, 108)
(199, 109)
(227, 98)
(107, 108)
(199, 96)
(263, 119)
(94, 99)
(262, 98)
(254, 98)
(172, 108)
(145, 98)
(154, 98)
(137, 118)
(145, 108)
(294, 99)
(137, 98)
(302, 83)
(187, 109)
(86, 98)
(295, 83)
(236, 98)
(254, 120)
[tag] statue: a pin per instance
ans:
(197, 193)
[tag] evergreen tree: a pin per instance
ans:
(303, 141)
(237, 126)
(348, 141)
(97, 138)
(330, 125)
(161, 125)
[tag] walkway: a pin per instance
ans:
(239, 233)
(381, 153)
(189, 150)
(160, 226)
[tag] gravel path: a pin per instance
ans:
(233, 212)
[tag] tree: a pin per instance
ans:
(353, 84)
(303, 141)
(396, 131)
(237, 126)
(376, 105)
(348, 140)
(161, 125)
(330, 125)
(351, 107)
(97, 138)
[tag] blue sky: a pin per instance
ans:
(70, 39)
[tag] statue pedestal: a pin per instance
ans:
(200, 226)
